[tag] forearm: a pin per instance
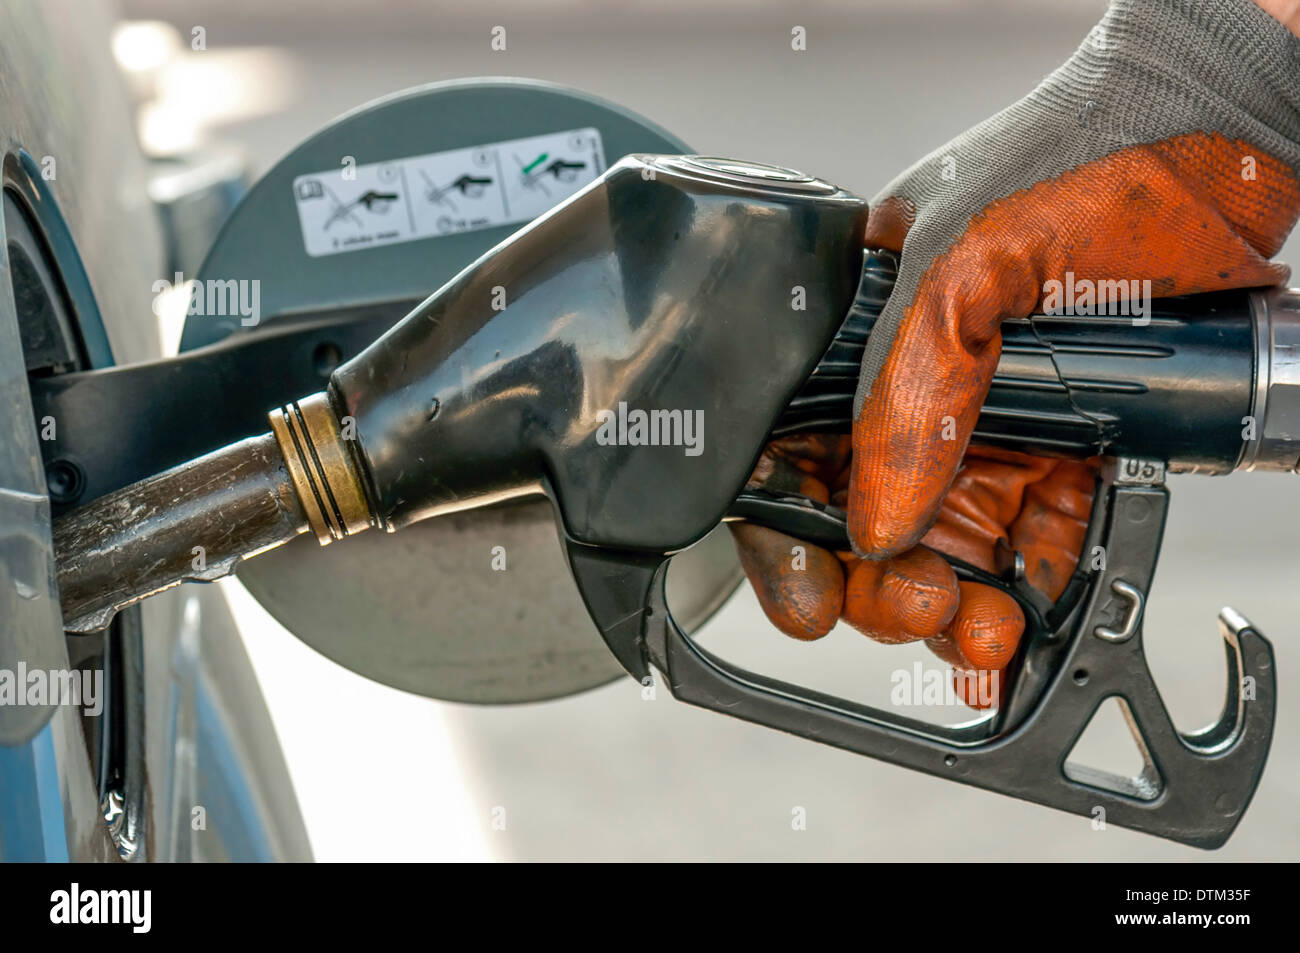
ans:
(1286, 12)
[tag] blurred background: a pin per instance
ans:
(607, 775)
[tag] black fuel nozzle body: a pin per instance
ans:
(628, 352)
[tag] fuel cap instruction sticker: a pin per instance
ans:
(444, 193)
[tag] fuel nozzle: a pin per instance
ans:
(681, 284)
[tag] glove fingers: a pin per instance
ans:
(914, 423)
(981, 689)
(799, 586)
(917, 410)
(985, 498)
(1040, 506)
(980, 642)
(987, 626)
(1053, 523)
(904, 599)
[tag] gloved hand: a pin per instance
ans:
(1165, 150)
(1036, 505)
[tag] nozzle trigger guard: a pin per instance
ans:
(1088, 647)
